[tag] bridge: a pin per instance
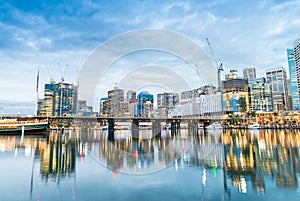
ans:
(193, 123)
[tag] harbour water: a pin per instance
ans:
(215, 165)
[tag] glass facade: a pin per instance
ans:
(293, 79)
(60, 99)
(235, 95)
(116, 102)
(145, 104)
(277, 79)
(297, 62)
(249, 73)
(260, 95)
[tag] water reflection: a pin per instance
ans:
(262, 154)
(241, 160)
(58, 156)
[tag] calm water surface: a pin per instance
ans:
(85, 165)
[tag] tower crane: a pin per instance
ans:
(50, 75)
(62, 72)
(218, 66)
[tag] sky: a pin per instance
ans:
(57, 37)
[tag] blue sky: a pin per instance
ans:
(35, 34)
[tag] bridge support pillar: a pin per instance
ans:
(175, 128)
(156, 129)
(193, 128)
(135, 129)
(111, 130)
(205, 124)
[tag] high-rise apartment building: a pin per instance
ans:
(233, 74)
(60, 99)
(167, 100)
(131, 96)
(297, 62)
(249, 73)
(260, 95)
(277, 78)
(293, 80)
(145, 104)
(103, 109)
(116, 102)
(235, 93)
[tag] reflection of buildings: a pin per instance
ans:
(268, 154)
(58, 157)
(147, 155)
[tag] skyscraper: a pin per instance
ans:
(60, 99)
(166, 102)
(145, 104)
(103, 109)
(277, 78)
(260, 95)
(131, 96)
(249, 73)
(116, 102)
(297, 62)
(235, 93)
(293, 79)
(233, 74)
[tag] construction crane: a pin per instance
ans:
(50, 75)
(218, 66)
(62, 71)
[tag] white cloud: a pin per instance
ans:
(257, 36)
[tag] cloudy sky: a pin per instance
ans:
(50, 35)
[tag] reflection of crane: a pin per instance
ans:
(219, 67)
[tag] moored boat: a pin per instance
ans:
(255, 125)
(214, 126)
(12, 126)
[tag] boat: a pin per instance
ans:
(13, 126)
(214, 126)
(255, 125)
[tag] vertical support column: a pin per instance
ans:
(22, 134)
(156, 129)
(205, 124)
(111, 130)
(175, 128)
(193, 128)
(135, 129)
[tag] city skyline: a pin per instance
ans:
(56, 34)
